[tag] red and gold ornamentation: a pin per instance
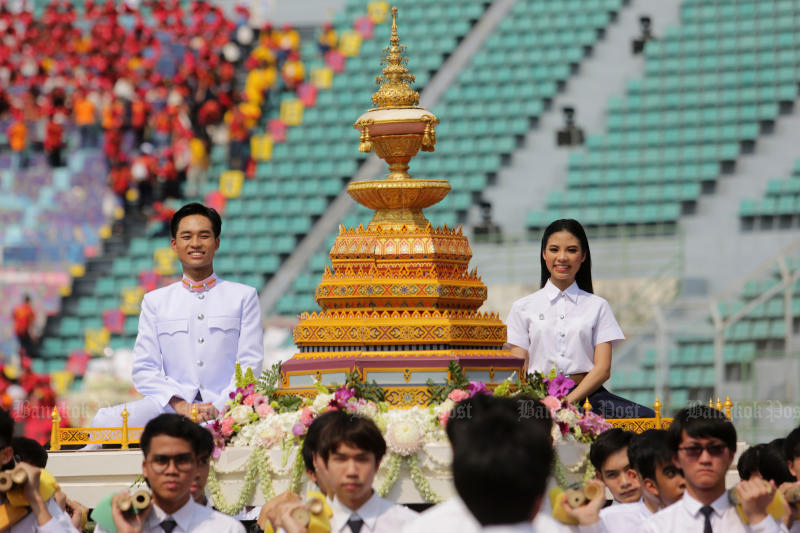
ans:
(399, 303)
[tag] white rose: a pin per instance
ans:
(321, 402)
(269, 435)
(567, 416)
(241, 414)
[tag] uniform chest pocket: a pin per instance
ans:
(228, 324)
(171, 327)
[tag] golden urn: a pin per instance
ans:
(399, 303)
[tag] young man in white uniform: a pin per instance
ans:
(170, 447)
(193, 332)
(703, 442)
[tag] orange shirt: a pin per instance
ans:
(23, 318)
(17, 135)
(84, 111)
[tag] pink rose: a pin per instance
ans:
(227, 426)
(249, 400)
(264, 410)
(306, 416)
(552, 403)
(457, 395)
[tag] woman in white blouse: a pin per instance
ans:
(564, 326)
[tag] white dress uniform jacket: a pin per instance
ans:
(192, 517)
(188, 344)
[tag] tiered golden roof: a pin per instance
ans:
(400, 295)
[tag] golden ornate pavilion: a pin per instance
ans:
(400, 302)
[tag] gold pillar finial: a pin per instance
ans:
(194, 413)
(395, 81)
(657, 408)
(718, 405)
(125, 427)
(728, 405)
(711, 402)
(55, 443)
(587, 406)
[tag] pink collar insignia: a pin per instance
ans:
(199, 286)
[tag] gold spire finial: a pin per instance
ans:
(395, 81)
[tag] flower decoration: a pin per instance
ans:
(404, 437)
(559, 386)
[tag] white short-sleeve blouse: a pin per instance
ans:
(561, 328)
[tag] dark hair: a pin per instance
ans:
(29, 451)
(791, 444)
(584, 275)
(311, 442)
(195, 208)
(205, 442)
(609, 442)
(347, 428)
(501, 458)
(171, 425)
(701, 421)
(648, 451)
(6, 429)
(767, 460)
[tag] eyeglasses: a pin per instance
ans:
(696, 450)
(183, 462)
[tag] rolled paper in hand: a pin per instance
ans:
(301, 516)
(124, 504)
(792, 495)
(140, 499)
(6, 482)
(47, 487)
(319, 519)
(575, 497)
(775, 508)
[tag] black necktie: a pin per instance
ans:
(169, 524)
(355, 524)
(707, 511)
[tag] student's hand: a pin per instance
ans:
(285, 519)
(789, 513)
(205, 411)
(128, 522)
(323, 476)
(78, 513)
(755, 495)
(31, 492)
(270, 510)
(588, 513)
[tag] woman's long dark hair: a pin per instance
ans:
(584, 275)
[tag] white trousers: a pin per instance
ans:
(140, 413)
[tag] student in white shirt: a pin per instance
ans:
(767, 461)
(170, 446)
(703, 443)
(43, 516)
(192, 332)
(609, 457)
(661, 481)
(453, 515)
(350, 451)
(567, 327)
(501, 463)
(791, 454)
